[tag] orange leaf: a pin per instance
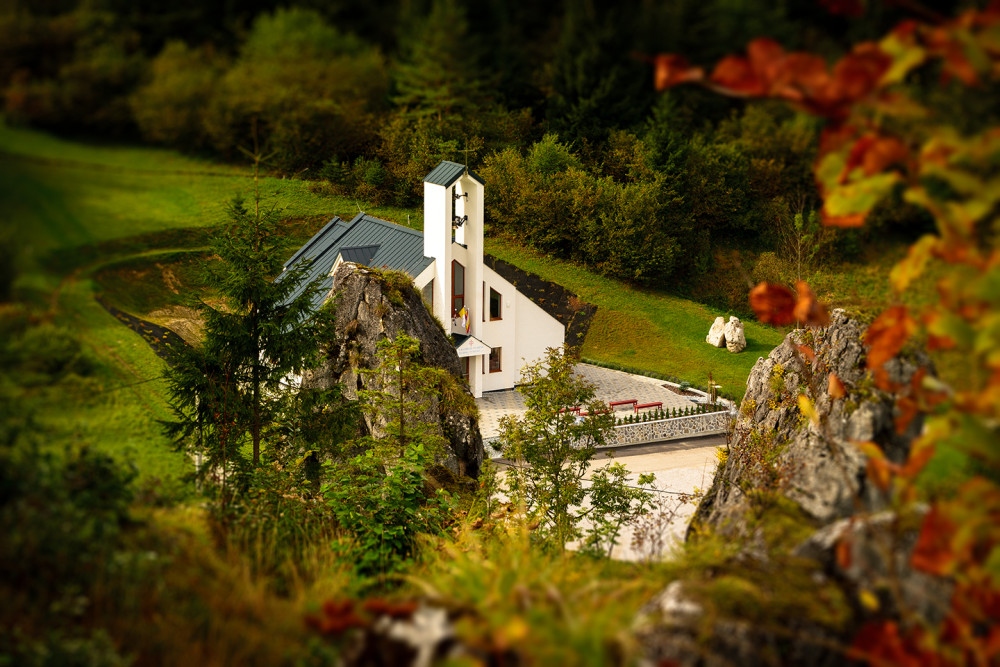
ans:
(845, 549)
(887, 334)
(671, 70)
(774, 304)
(907, 411)
(806, 352)
(858, 73)
(808, 310)
(880, 472)
(933, 552)
(851, 220)
(835, 387)
(919, 458)
(736, 74)
(870, 449)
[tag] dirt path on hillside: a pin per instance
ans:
(161, 339)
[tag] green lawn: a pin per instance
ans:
(76, 208)
(648, 330)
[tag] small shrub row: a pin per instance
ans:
(660, 413)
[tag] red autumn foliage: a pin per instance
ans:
(874, 153)
(863, 158)
(887, 335)
(852, 8)
(808, 309)
(773, 304)
(880, 644)
(671, 70)
(777, 305)
(934, 553)
(835, 387)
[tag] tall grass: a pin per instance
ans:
(509, 596)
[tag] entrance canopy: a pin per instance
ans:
(470, 346)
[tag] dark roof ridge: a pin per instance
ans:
(311, 242)
(372, 218)
(446, 173)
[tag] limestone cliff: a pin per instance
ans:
(371, 306)
(796, 548)
(775, 447)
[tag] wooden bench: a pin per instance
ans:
(595, 412)
(643, 406)
(614, 404)
(575, 408)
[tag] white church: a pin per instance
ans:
(496, 328)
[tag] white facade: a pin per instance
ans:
(506, 330)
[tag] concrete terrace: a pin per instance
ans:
(611, 385)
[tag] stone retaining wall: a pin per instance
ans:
(690, 426)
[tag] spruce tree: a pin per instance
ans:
(436, 76)
(225, 390)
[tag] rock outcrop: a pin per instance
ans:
(817, 466)
(370, 306)
(736, 340)
(717, 334)
(794, 501)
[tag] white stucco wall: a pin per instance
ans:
(437, 244)
(523, 334)
(536, 331)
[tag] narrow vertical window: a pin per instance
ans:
(457, 288)
(428, 294)
(495, 360)
(496, 305)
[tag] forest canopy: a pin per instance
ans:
(553, 103)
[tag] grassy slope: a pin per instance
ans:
(63, 195)
(648, 330)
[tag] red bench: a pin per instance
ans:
(615, 404)
(595, 412)
(642, 406)
(575, 408)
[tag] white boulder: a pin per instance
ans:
(736, 341)
(716, 335)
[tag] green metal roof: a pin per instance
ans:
(446, 173)
(364, 240)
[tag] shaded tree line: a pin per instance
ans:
(367, 100)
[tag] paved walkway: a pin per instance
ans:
(611, 385)
(682, 468)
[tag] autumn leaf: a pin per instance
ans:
(671, 70)
(806, 408)
(933, 552)
(887, 334)
(911, 266)
(848, 205)
(852, 8)
(920, 456)
(845, 550)
(806, 352)
(773, 304)
(880, 472)
(808, 310)
(835, 387)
